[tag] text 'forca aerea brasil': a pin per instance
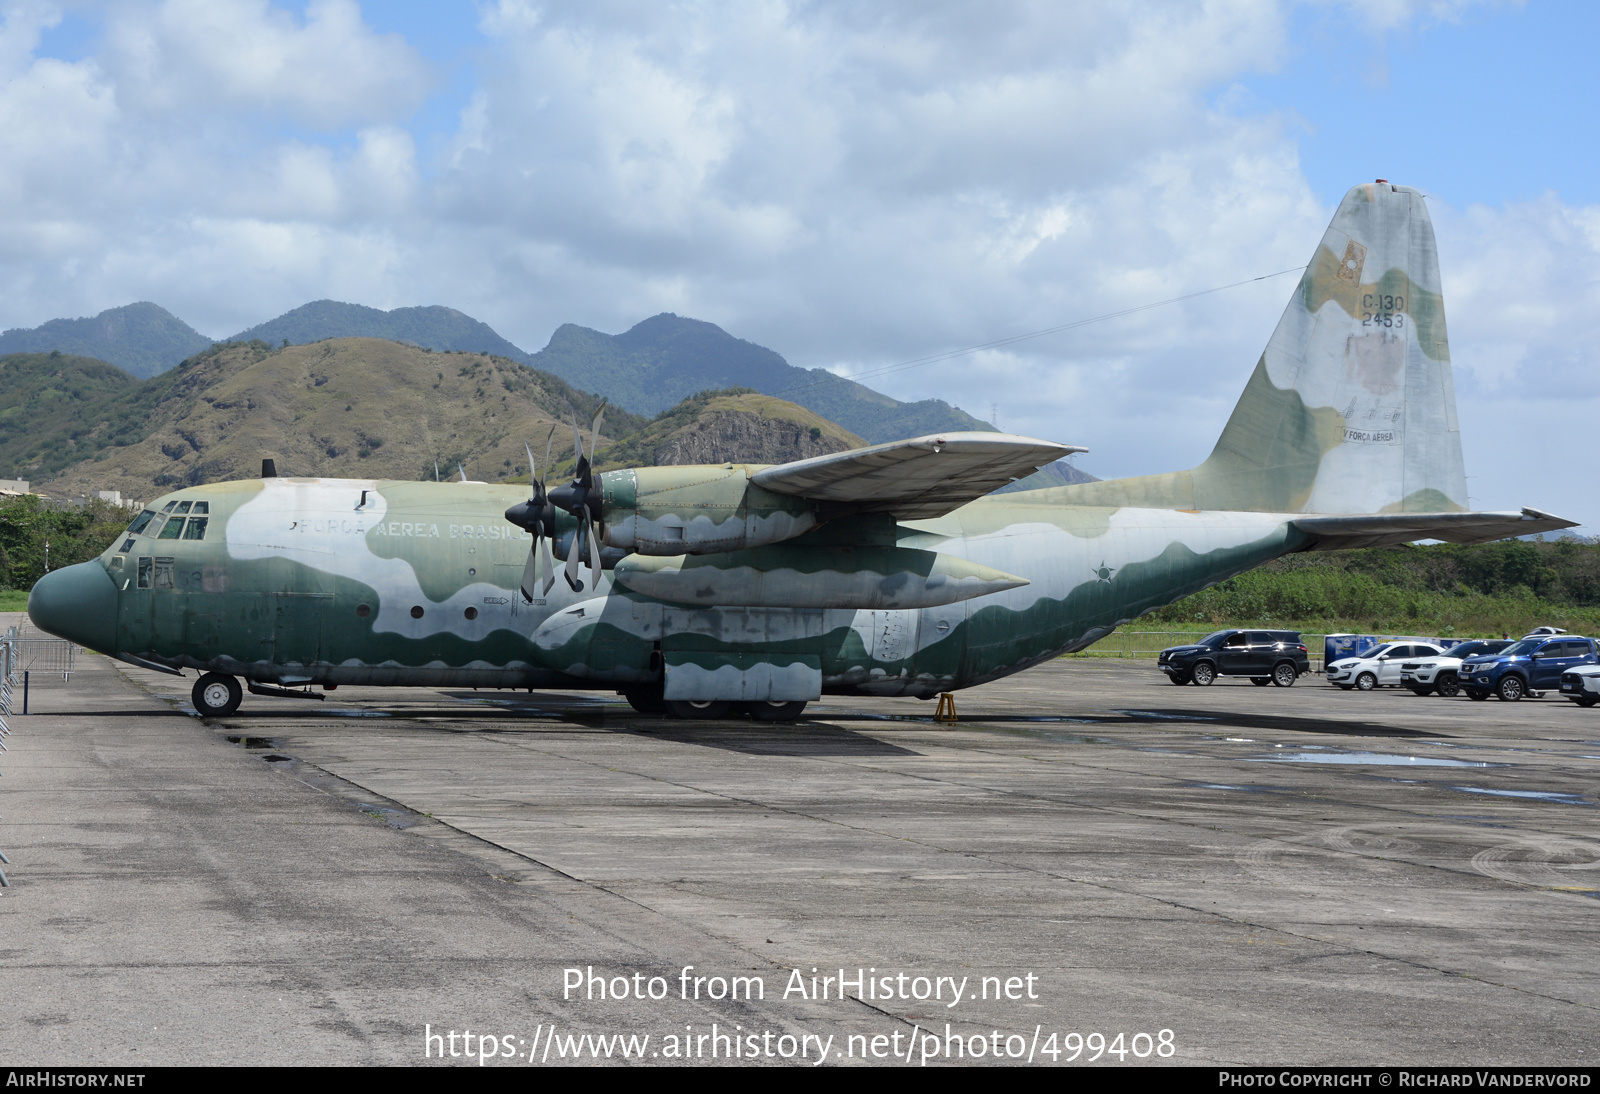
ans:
(817, 986)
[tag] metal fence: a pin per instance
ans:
(40, 653)
(1147, 644)
(10, 670)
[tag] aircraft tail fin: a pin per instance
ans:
(1351, 408)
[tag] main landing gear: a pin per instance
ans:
(647, 701)
(216, 695)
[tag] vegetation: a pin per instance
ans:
(28, 524)
(1442, 589)
(435, 328)
(142, 338)
(668, 358)
(640, 448)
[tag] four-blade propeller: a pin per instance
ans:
(581, 498)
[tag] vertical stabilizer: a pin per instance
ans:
(1351, 408)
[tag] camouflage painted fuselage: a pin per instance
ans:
(294, 584)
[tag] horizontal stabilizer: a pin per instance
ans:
(1391, 529)
(917, 479)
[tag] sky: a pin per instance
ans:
(855, 186)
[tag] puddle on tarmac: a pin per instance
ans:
(1164, 717)
(1535, 795)
(354, 712)
(1242, 789)
(1365, 758)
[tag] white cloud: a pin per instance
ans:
(850, 185)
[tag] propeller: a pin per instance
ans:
(582, 498)
(538, 516)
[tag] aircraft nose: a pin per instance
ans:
(78, 603)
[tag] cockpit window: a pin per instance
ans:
(196, 528)
(172, 529)
(140, 522)
(169, 507)
(183, 507)
(201, 508)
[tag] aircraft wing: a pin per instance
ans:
(916, 479)
(1390, 529)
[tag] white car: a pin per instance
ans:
(1441, 673)
(1378, 668)
(1581, 684)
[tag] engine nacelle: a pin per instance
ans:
(697, 511)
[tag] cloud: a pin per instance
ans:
(851, 185)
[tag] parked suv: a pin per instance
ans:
(1441, 673)
(1378, 667)
(1528, 667)
(1277, 657)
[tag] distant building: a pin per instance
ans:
(14, 487)
(115, 498)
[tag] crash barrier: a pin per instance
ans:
(10, 667)
(1149, 644)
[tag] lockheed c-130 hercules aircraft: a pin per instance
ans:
(884, 571)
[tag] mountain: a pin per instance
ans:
(667, 358)
(432, 327)
(1060, 473)
(354, 407)
(736, 425)
(143, 339)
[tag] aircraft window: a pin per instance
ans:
(167, 508)
(116, 562)
(201, 508)
(140, 521)
(164, 573)
(144, 573)
(172, 529)
(362, 611)
(127, 545)
(183, 507)
(471, 613)
(196, 529)
(416, 612)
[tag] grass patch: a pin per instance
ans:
(13, 600)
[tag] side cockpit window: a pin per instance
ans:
(145, 565)
(141, 522)
(196, 528)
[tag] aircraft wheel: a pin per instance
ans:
(1449, 685)
(1366, 681)
(1511, 688)
(1284, 674)
(1261, 681)
(1204, 673)
(216, 695)
(775, 712)
(689, 711)
(645, 701)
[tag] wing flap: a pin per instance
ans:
(916, 479)
(1391, 529)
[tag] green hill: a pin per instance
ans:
(143, 339)
(432, 327)
(667, 358)
(358, 407)
(735, 425)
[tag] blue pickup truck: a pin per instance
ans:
(1528, 667)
